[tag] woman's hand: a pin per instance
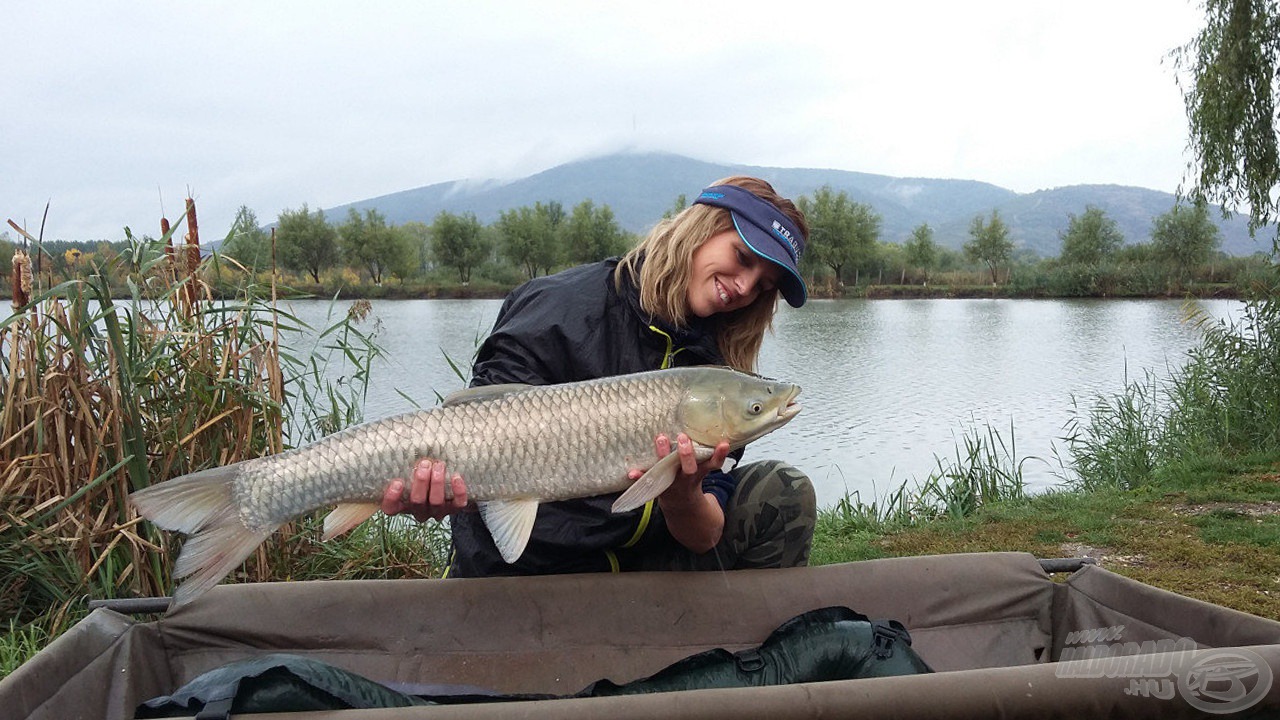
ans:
(693, 517)
(426, 497)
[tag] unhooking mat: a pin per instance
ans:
(832, 643)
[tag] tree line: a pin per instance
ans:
(846, 247)
(535, 239)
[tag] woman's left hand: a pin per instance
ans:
(688, 482)
(689, 479)
(693, 517)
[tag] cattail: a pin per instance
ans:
(168, 240)
(193, 238)
(193, 252)
(21, 278)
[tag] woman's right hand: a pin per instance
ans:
(426, 497)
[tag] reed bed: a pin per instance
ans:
(1224, 401)
(103, 396)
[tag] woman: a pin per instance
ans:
(701, 289)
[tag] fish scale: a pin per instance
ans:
(515, 446)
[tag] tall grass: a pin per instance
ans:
(1225, 400)
(20, 641)
(134, 374)
(1112, 441)
(985, 469)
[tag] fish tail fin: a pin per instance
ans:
(202, 506)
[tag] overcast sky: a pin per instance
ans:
(113, 110)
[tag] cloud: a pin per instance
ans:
(278, 104)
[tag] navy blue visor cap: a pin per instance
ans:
(767, 231)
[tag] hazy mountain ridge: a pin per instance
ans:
(640, 187)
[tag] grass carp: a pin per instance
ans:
(515, 446)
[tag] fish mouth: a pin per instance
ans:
(792, 408)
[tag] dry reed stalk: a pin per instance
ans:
(275, 378)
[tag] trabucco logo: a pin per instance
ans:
(786, 235)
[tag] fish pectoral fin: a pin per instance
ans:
(510, 522)
(650, 485)
(346, 516)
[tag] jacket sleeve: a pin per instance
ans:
(721, 485)
(527, 344)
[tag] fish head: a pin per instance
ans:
(724, 404)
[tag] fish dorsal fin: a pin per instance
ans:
(510, 522)
(484, 392)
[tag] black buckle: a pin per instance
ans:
(884, 636)
(749, 661)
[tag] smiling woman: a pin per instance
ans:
(677, 266)
(701, 289)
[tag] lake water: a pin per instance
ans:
(889, 385)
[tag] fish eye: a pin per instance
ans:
(756, 408)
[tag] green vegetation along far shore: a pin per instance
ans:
(363, 256)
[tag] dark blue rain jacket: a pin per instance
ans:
(571, 326)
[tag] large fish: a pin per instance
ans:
(515, 446)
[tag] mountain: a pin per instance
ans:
(1037, 220)
(639, 187)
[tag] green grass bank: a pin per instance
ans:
(1207, 529)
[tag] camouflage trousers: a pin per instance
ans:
(768, 523)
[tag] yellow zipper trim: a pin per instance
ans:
(613, 561)
(644, 525)
(670, 353)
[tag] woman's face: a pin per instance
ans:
(726, 275)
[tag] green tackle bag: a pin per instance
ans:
(832, 643)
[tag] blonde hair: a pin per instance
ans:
(660, 267)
